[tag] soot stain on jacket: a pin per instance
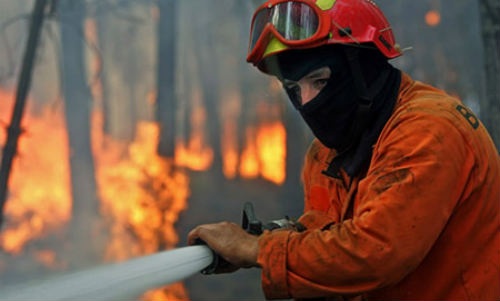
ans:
(388, 180)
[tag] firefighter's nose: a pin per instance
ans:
(307, 93)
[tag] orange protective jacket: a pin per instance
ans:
(423, 222)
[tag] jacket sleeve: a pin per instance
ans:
(417, 175)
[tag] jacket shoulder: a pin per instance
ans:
(419, 101)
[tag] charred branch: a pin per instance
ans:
(14, 129)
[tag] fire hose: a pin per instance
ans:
(122, 281)
(127, 280)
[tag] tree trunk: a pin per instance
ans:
(78, 105)
(490, 106)
(166, 76)
(210, 85)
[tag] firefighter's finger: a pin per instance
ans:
(194, 235)
(209, 233)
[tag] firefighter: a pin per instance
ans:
(402, 183)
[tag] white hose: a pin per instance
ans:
(121, 281)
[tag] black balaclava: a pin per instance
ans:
(332, 115)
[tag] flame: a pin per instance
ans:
(196, 155)
(174, 292)
(142, 195)
(39, 199)
(141, 191)
(433, 18)
(230, 151)
(249, 164)
(265, 153)
(271, 145)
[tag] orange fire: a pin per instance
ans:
(196, 154)
(249, 165)
(39, 198)
(142, 195)
(173, 292)
(264, 149)
(271, 143)
(140, 191)
(265, 153)
(230, 151)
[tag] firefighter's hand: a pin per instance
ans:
(229, 241)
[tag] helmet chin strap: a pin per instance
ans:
(365, 96)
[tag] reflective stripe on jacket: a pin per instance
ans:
(423, 222)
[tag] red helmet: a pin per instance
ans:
(279, 25)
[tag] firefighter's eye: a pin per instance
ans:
(320, 83)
